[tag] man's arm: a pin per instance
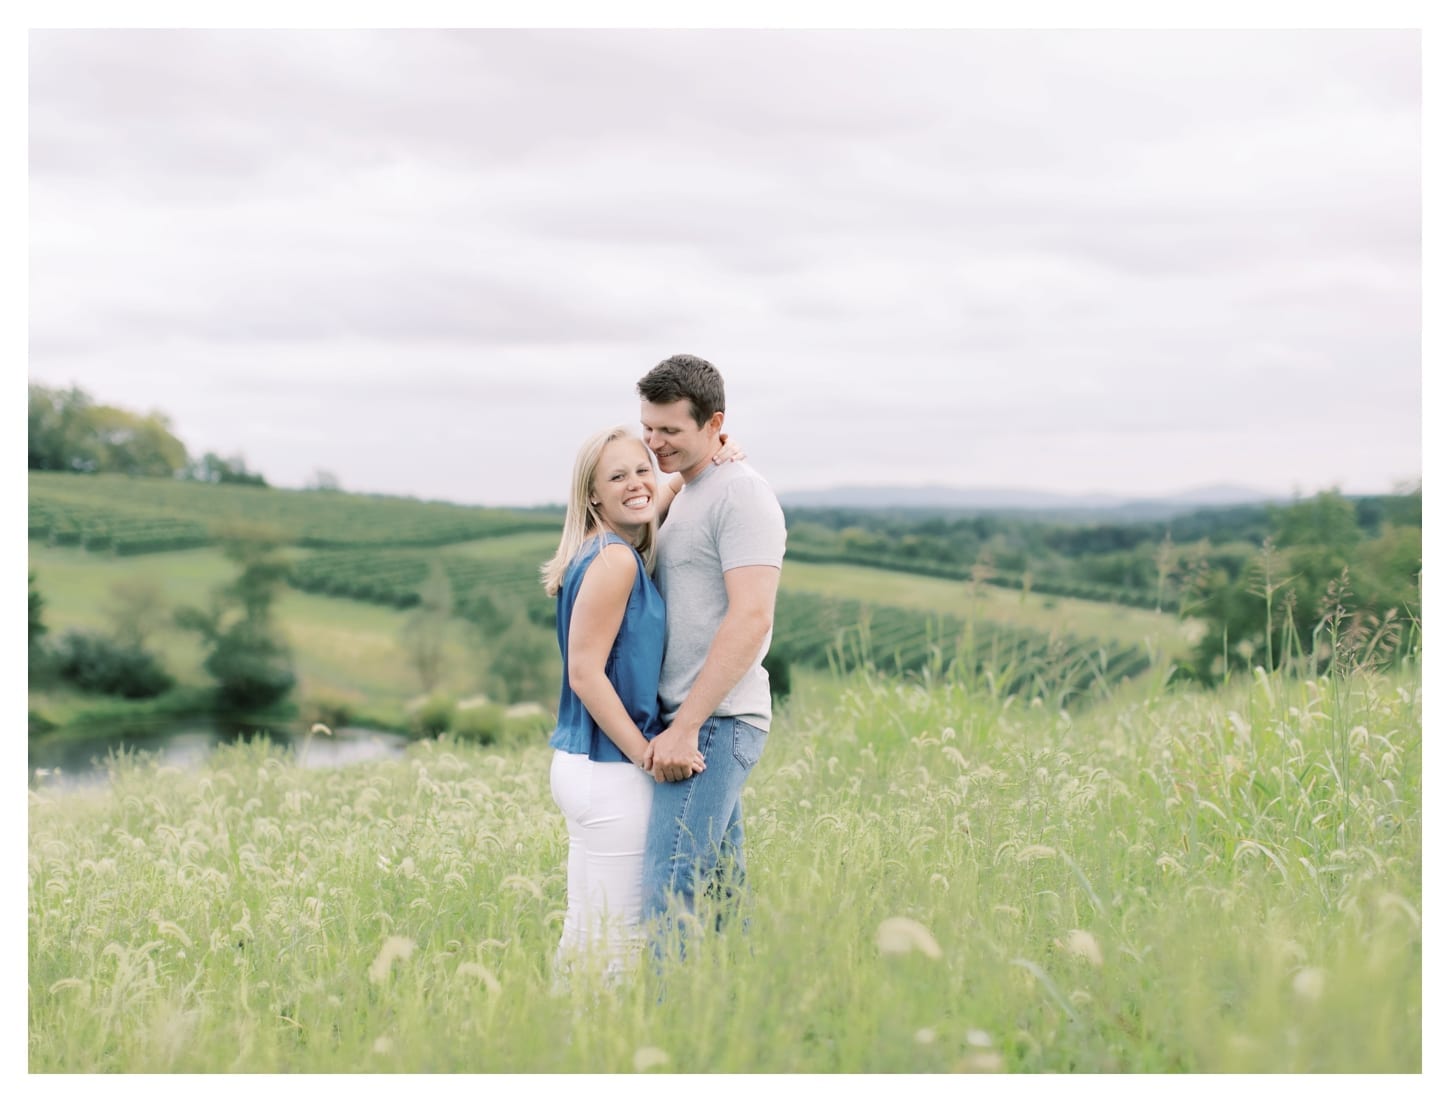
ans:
(750, 591)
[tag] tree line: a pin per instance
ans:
(1270, 582)
(70, 431)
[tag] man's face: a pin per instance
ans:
(677, 442)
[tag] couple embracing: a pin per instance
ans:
(666, 585)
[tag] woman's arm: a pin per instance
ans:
(666, 494)
(671, 486)
(593, 625)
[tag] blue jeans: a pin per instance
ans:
(695, 844)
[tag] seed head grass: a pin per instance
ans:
(942, 880)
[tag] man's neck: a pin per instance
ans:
(701, 467)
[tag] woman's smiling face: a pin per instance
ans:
(623, 492)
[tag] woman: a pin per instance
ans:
(611, 628)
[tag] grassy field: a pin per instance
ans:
(343, 650)
(1165, 632)
(350, 649)
(539, 544)
(139, 514)
(943, 881)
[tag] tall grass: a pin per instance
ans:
(944, 878)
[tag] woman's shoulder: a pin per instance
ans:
(615, 553)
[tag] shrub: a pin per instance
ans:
(526, 724)
(524, 665)
(249, 659)
(329, 711)
(779, 670)
(434, 716)
(252, 671)
(480, 722)
(101, 665)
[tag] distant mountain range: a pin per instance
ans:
(998, 499)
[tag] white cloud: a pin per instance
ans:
(1028, 258)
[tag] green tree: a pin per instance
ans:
(425, 633)
(248, 657)
(38, 631)
(777, 668)
(1165, 560)
(98, 664)
(68, 431)
(136, 444)
(135, 610)
(524, 664)
(490, 614)
(1326, 521)
(232, 469)
(60, 438)
(1391, 566)
(1317, 564)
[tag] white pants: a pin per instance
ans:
(606, 806)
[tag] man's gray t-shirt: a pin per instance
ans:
(726, 518)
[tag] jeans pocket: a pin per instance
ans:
(748, 744)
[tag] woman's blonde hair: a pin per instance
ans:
(581, 519)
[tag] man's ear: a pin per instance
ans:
(716, 422)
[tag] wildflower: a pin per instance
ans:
(394, 948)
(900, 935)
(979, 1038)
(383, 1045)
(1033, 853)
(479, 972)
(1082, 944)
(647, 1058)
(1309, 983)
(171, 929)
(981, 1062)
(925, 1036)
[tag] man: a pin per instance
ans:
(718, 567)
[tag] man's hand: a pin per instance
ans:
(674, 754)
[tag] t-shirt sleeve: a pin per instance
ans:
(750, 526)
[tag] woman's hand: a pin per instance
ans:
(729, 451)
(647, 761)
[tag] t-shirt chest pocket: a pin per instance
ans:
(689, 546)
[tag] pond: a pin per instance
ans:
(79, 761)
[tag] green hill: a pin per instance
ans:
(90, 531)
(129, 516)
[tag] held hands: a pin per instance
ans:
(673, 755)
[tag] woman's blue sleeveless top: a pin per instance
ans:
(633, 666)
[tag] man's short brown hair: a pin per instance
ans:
(688, 377)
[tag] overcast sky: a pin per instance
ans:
(431, 262)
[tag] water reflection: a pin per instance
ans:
(82, 762)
